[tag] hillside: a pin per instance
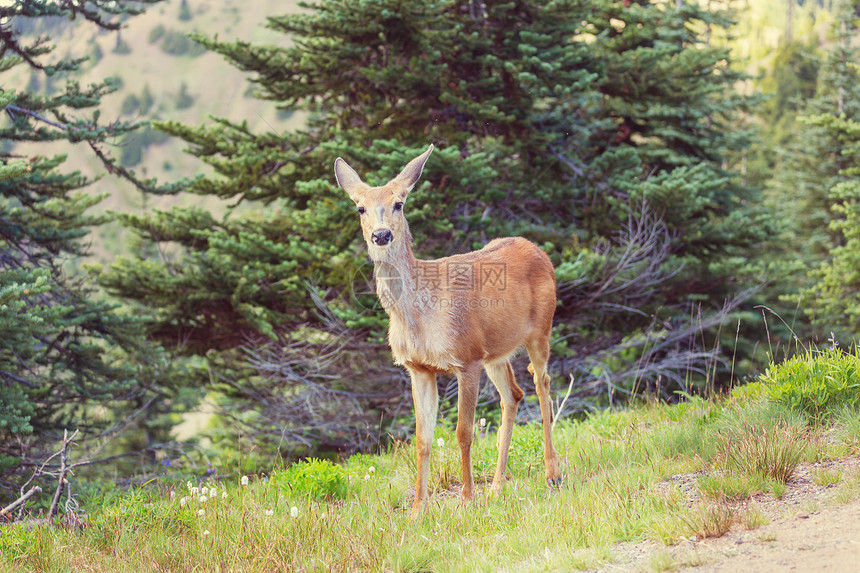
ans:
(141, 63)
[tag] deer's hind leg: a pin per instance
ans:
(502, 376)
(539, 355)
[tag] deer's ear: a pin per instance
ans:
(348, 179)
(412, 172)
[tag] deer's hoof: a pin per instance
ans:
(554, 483)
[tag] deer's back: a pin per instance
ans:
(478, 306)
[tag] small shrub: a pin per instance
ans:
(731, 486)
(185, 11)
(146, 99)
(848, 490)
(96, 53)
(778, 489)
(156, 34)
(315, 478)
(121, 47)
(753, 519)
(134, 143)
(770, 451)
(848, 420)
(184, 100)
(178, 44)
(663, 561)
(175, 43)
(710, 519)
(816, 383)
(667, 529)
(826, 476)
(130, 104)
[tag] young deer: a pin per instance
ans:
(456, 315)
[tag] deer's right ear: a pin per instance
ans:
(348, 179)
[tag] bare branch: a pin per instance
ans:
(7, 511)
(64, 470)
(13, 109)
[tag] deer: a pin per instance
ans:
(456, 315)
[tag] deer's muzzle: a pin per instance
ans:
(381, 237)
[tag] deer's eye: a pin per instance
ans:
(361, 210)
(398, 206)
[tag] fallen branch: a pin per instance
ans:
(7, 511)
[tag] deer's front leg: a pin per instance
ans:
(426, 399)
(468, 381)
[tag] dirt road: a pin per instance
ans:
(811, 528)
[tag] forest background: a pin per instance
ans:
(182, 282)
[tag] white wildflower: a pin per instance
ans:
(204, 491)
(244, 480)
(183, 501)
(366, 477)
(195, 491)
(189, 485)
(213, 492)
(270, 512)
(203, 498)
(371, 470)
(224, 494)
(483, 422)
(201, 512)
(440, 442)
(294, 512)
(205, 533)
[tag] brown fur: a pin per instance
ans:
(445, 319)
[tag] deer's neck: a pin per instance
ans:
(396, 284)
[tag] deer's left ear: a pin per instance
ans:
(412, 172)
(348, 179)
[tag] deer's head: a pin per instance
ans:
(381, 208)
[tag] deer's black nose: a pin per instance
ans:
(381, 237)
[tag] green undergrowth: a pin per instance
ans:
(625, 476)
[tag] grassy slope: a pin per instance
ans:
(617, 487)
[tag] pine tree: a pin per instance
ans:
(64, 351)
(815, 160)
(832, 140)
(835, 295)
(813, 189)
(597, 129)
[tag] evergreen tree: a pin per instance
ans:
(598, 129)
(815, 160)
(64, 350)
(834, 299)
(832, 203)
(812, 186)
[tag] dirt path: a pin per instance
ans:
(809, 529)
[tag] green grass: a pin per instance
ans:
(826, 476)
(355, 516)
